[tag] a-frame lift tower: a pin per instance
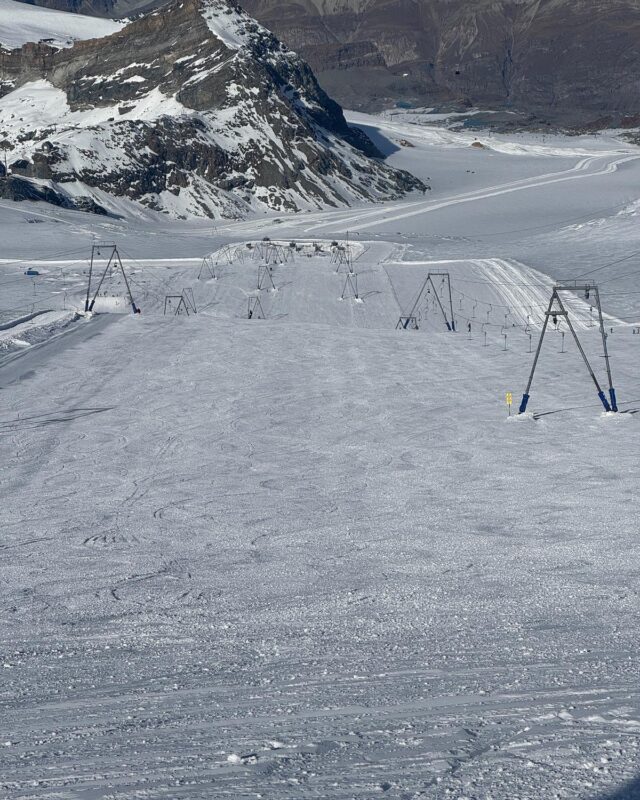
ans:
(113, 261)
(410, 320)
(558, 309)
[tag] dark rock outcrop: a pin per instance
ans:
(16, 188)
(192, 109)
(570, 61)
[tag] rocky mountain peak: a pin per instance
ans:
(193, 108)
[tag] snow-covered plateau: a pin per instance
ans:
(20, 23)
(310, 555)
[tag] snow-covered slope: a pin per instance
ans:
(20, 23)
(194, 110)
(313, 559)
(310, 556)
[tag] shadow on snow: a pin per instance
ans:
(384, 145)
(630, 791)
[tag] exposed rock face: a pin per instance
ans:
(192, 109)
(567, 60)
(15, 188)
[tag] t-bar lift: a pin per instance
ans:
(410, 320)
(114, 259)
(554, 311)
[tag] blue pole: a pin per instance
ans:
(523, 404)
(604, 400)
(614, 402)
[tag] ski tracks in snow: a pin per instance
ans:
(400, 211)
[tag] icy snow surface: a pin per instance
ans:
(20, 23)
(311, 555)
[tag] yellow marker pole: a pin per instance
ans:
(509, 401)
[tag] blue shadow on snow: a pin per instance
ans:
(384, 145)
(630, 791)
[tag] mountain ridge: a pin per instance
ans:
(567, 62)
(193, 109)
(564, 62)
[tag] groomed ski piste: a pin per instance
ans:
(311, 555)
